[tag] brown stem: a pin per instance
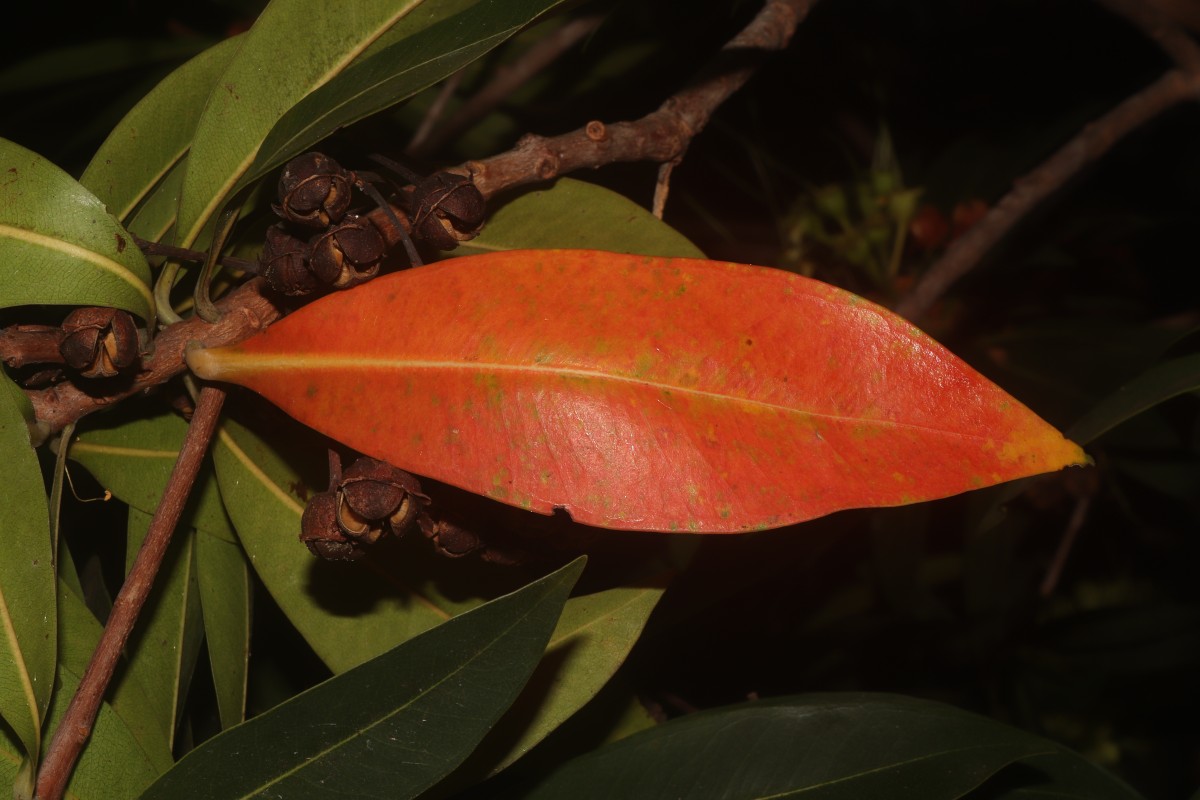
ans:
(664, 134)
(505, 81)
(1096, 139)
(244, 311)
(184, 254)
(76, 725)
(21, 345)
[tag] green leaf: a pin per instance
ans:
(154, 136)
(133, 457)
(225, 595)
(593, 638)
(348, 613)
(1156, 385)
(391, 727)
(576, 214)
(396, 73)
(849, 746)
(27, 605)
(1057, 776)
(294, 48)
(58, 244)
(128, 699)
(163, 647)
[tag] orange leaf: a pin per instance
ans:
(642, 393)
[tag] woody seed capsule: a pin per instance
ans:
(319, 530)
(449, 209)
(284, 263)
(347, 254)
(314, 191)
(99, 342)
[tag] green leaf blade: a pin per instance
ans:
(831, 747)
(155, 135)
(294, 48)
(396, 73)
(58, 243)
(225, 601)
(393, 726)
(579, 215)
(27, 595)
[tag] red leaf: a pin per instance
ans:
(642, 393)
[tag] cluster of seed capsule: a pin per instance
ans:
(322, 243)
(369, 501)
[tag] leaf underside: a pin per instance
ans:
(642, 393)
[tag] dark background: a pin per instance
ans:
(1092, 288)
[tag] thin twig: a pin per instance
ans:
(76, 725)
(1177, 86)
(661, 136)
(438, 107)
(184, 254)
(507, 79)
(1065, 545)
(21, 345)
(662, 188)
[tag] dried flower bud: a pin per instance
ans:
(374, 495)
(450, 540)
(347, 254)
(284, 263)
(319, 530)
(449, 209)
(314, 191)
(99, 342)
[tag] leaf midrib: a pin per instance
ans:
(228, 364)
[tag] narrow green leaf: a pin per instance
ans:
(163, 647)
(1156, 385)
(393, 726)
(225, 594)
(128, 699)
(155, 217)
(849, 746)
(294, 48)
(58, 244)
(265, 496)
(154, 136)
(132, 457)
(396, 73)
(27, 604)
(576, 214)
(593, 638)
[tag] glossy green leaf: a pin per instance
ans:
(592, 639)
(815, 746)
(393, 726)
(155, 217)
(577, 214)
(396, 73)
(1156, 385)
(58, 244)
(294, 48)
(347, 613)
(155, 135)
(642, 393)
(163, 647)
(127, 698)
(27, 598)
(225, 597)
(133, 457)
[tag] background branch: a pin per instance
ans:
(1097, 138)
